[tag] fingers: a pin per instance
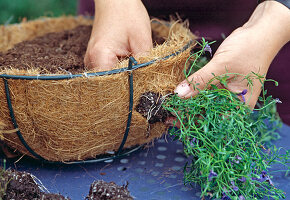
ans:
(236, 84)
(100, 59)
(198, 80)
(141, 48)
(140, 45)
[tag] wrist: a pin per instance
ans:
(273, 18)
(270, 25)
(284, 2)
(107, 4)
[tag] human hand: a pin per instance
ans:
(250, 48)
(120, 29)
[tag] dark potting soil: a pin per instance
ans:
(18, 185)
(51, 53)
(150, 107)
(101, 190)
(54, 52)
(23, 186)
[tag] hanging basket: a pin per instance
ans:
(77, 117)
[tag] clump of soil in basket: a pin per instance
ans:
(101, 190)
(150, 107)
(22, 185)
(54, 52)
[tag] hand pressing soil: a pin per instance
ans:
(62, 52)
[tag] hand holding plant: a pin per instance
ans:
(250, 48)
(221, 134)
(223, 137)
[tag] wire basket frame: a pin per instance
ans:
(132, 65)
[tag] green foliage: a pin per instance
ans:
(226, 141)
(197, 60)
(14, 11)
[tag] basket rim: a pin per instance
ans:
(94, 74)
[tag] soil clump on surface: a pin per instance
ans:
(22, 186)
(101, 190)
(19, 185)
(61, 52)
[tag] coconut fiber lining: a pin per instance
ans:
(80, 118)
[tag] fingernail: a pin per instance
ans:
(182, 89)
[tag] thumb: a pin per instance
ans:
(199, 80)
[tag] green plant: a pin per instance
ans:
(226, 140)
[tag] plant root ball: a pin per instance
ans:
(101, 190)
(150, 107)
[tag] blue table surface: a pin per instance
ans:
(152, 173)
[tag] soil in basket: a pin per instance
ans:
(54, 52)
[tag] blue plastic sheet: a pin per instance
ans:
(153, 173)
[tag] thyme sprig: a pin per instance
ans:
(227, 141)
